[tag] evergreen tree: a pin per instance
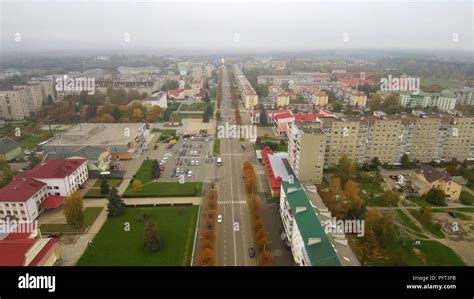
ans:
(155, 169)
(151, 238)
(104, 186)
(116, 206)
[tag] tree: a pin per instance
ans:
(436, 197)
(73, 210)
(335, 185)
(405, 161)
(375, 102)
(376, 162)
(426, 215)
(352, 201)
(104, 186)
(115, 206)
(137, 186)
(337, 106)
(390, 198)
(154, 114)
(155, 169)
(346, 169)
(137, 114)
(263, 117)
(366, 247)
(151, 237)
(207, 257)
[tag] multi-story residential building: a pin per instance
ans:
(357, 98)
(310, 245)
(278, 96)
(47, 87)
(383, 138)
(444, 101)
(315, 96)
(140, 86)
(126, 70)
(342, 139)
(306, 151)
(34, 96)
(14, 104)
(247, 93)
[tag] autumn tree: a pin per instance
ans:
(389, 198)
(352, 201)
(366, 247)
(207, 257)
(335, 185)
(137, 186)
(73, 210)
(375, 102)
(346, 169)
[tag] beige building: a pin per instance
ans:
(342, 139)
(279, 96)
(437, 179)
(306, 150)
(14, 104)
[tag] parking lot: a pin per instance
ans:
(190, 159)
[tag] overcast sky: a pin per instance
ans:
(236, 25)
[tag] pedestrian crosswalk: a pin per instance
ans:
(227, 202)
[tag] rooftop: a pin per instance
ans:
(96, 134)
(54, 169)
(320, 253)
(20, 190)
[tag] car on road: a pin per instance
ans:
(252, 252)
(219, 218)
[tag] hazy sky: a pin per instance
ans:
(236, 25)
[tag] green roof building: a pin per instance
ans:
(309, 243)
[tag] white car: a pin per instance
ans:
(190, 173)
(192, 163)
(219, 218)
(196, 163)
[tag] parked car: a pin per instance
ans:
(452, 214)
(190, 173)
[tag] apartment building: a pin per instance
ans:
(382, 140)
(278, 96)
(314, 95)
(306, 151)
(342, 138)
(47, 88)
(14, 104)
(444, 101)
(140, 86)
(34, 96)
(247, 93)
(310, 245)
(357, 98)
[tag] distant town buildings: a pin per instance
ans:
(444, 101)
(247, 93)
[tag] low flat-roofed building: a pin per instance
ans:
(124, 140)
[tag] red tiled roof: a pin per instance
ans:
(44, 253)
(55, 168)
(305, 117)
(356, 81)
(52, 202)
(176, 92)
(275, 182)
(20, 190)
(12, 253)
(283, 115)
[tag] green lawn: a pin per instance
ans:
(179, 117)
(94, 191)
(144, 172)
(367, 183)
(406, 221)
(90, 215)
(115, 246)
(37, 137)
(419, 201)
(165, 189)
(428, 253)
(216, 149)
(428, 226)
(198, 106)
(466, 198)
